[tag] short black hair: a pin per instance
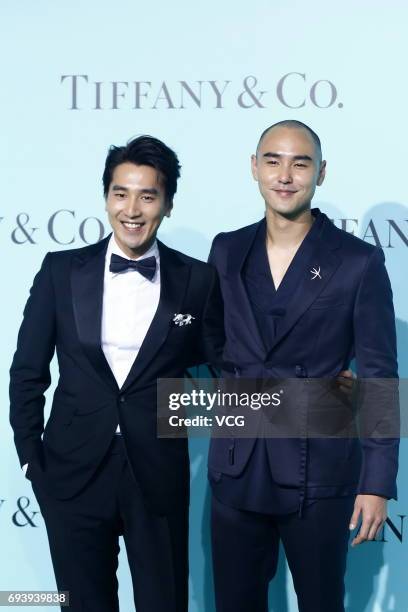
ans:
(144, 151)
(294, 123)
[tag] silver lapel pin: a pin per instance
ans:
(182, 319)
(315, 273)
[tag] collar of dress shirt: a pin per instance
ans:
(113, 247)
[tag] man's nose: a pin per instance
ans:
(132, 208)
(285, 175)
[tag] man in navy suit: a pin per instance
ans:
(98, 469)
(301, 299)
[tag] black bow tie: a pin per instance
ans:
(146, 267)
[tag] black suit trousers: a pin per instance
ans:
(245, 548)
(83, 534)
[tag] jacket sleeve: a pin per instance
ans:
(212, 335)
(30, 371)
(377, 371)
(214, 257)
(212, 329)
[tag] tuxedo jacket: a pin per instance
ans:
(343, 312)
(64, 314)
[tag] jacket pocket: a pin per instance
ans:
(327, 302)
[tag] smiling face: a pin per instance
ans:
(136, 204)
(287, 167)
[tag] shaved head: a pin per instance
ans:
(296, 125)
(288, 167)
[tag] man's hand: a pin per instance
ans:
(345, 381)
(374, 512)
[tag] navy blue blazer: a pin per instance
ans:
(64, 314)
(344, 313)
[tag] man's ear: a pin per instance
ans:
(322, 173)
(254, 166)
(169, 208)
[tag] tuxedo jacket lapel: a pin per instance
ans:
(87, 277)
(87, 280)
(174, 276)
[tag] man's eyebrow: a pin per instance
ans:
(295, 157)
(150, 190)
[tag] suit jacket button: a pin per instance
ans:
(122, 399)
(299, 371)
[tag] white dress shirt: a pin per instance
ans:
(129, 304)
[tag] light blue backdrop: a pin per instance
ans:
(193, 74)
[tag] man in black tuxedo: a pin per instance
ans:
(301, 299)
(98, 469)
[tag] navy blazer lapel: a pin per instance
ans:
(324, 260)
(87, 278)
(174, 276)
(237, 255)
